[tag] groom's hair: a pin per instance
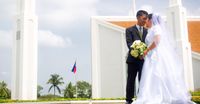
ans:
(141, 12)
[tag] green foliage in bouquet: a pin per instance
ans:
(138, 48)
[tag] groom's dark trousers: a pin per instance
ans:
(134, 64)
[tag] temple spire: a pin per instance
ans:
(177, 23)
(25, 7)
(132, 12)
(174, 2)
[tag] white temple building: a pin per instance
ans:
(109, 50)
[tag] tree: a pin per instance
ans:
(39, 89)
(83, 89)
(69, 91)
(4, 91)
(55, 81)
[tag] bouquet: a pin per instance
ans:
(138, 48)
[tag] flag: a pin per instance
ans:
(74, 68)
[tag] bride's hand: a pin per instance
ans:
(145, 52)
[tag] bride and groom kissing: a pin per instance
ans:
(160, 71)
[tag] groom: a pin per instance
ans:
(136, 32)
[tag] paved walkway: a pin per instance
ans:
(76, 102)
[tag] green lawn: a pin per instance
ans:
(194, 98)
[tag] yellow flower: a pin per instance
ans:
(134, 53)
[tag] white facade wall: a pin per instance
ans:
(108, 60)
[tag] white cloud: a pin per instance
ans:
(5, 38)
(4, 73)
(147, 8)
(191, 12)
(45, 39)
(60, 13)
(48, 39)
(8, 8)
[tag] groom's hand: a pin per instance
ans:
(141, 57)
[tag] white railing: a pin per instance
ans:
(196, 69)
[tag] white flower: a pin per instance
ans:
(137, 42)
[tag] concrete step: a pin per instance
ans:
(77, 102)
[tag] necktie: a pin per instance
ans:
(140, 31)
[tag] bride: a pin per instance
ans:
(162, 80)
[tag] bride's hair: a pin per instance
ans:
(166, 36)
(156, 19)
(150, 16)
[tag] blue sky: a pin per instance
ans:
(64, 33)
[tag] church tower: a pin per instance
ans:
(24, 66)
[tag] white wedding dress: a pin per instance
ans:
(162, 80)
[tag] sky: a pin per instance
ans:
(64, 33)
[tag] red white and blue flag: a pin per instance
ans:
(74, 68)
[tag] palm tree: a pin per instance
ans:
(4, 91)
(55, 81)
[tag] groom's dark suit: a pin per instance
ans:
(134, 64)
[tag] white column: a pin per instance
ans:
(177, 22)
(24, 74)
(132, 12)
(96, 90)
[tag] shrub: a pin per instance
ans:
(196, 93)
(196, 99)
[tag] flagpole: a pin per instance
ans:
(76, 85)
(74, 71)
(76, 79)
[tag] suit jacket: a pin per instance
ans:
(132, 34)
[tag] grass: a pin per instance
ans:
(41, 100)
(195, 98)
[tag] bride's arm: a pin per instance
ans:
(153, 45)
